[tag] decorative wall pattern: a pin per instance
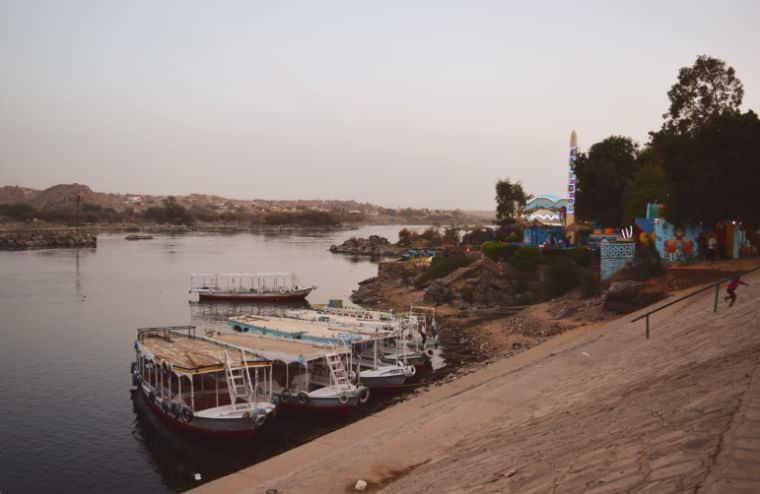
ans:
(614, 256)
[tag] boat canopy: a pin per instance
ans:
(187, 353)
(284, 350)
(244, 281)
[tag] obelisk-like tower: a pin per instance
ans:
(572, 154)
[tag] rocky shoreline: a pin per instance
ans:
(374, 246)
(47, 239)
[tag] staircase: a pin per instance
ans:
(239, 383)
(337, 369)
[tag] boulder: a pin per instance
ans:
(627, 296)
(437, 293)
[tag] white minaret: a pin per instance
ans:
(573, 151)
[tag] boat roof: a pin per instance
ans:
(284, 350)
(192, 354)
(314, 329)
(243, 275)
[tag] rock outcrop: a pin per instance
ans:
(375, 246)
(627, 296)
(46, 239)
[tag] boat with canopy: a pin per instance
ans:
(308, 377)
(261, 287)
(368, 345)
(198, 384)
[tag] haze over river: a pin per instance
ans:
(68, 325)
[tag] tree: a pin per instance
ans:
(649, 184)
(510, 200)
(601, 176)
(704, 90)
(713, 171)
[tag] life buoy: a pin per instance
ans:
(136, 379)
(186, 415)
(175, 409)
(286, 396)
(132, 367)
(343, 398)
(259, 419)
(303, 398)
(165, 406)
(276, 400)
(429, 352)
(363, 394)
(282, 291)
(410, 371)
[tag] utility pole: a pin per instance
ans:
(76, 214)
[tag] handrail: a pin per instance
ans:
(715, 284)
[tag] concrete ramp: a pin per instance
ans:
(600, 411)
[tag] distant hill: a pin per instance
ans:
(62, 197)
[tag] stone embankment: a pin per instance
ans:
(599, 410)
(375, 246)
(46, 239)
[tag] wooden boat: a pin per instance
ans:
(306, 376)
(199, 385)
(250, 287)
(367, 345)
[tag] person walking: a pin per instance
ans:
(733, 284)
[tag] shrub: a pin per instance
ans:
(562, 276)
(589, 283)
(646, 263)
(499, 251)
(526, 258)
(19, 212)
(302, 218)
(580, 255)
(442, 266)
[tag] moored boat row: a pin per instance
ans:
(230, 383)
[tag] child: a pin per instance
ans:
(733, 284)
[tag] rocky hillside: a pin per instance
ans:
(63, 197)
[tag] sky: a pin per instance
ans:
(399, 103)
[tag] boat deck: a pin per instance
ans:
(193, 353)
(312, 328)
(281, 349)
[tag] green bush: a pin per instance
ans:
(589, 283)
(646, 263)
(499, 251)
(19, 212)
(580, 255)
(442, 266)
(562, 276)
(526, 258)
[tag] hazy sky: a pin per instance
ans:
(400, 103)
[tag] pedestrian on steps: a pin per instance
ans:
(733, 284)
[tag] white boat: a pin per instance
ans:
(199, 385)
(368, 346)
(306, 376)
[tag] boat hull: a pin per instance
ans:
(223, 428)
(293, 296)
(328, 405)
(384, 382)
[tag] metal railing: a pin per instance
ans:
(715, 285)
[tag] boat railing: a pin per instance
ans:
(166, 332)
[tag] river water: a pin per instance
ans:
(68, 321)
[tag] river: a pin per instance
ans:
(67, 422)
